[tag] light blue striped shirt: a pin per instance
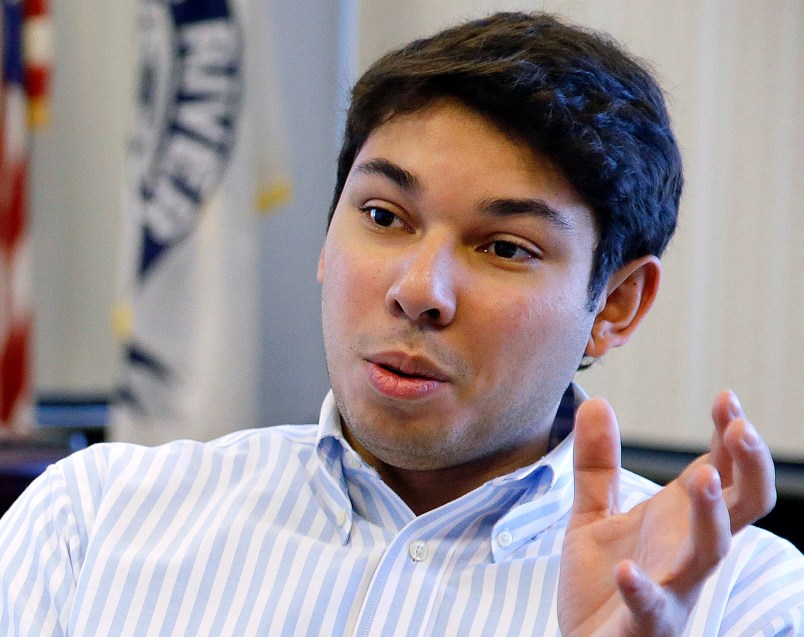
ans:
(286, 531)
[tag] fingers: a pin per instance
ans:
(647, 601)
(655, 611)
(724, 410)
(752, 493)
(660, 605)
(596, 459)
(744, 461)
(709, 526)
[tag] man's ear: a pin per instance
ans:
(628, 296)
(320, 273)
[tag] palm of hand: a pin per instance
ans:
(654, 537)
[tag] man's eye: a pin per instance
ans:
(509, 250)
(381, 216)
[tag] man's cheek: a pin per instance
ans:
(344, 308)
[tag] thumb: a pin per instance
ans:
(597, 460)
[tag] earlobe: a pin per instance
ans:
(629, 295)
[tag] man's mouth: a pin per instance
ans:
(399, 372)
(406, 366)
(401, 376)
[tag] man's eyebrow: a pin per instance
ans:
(405, 180)
(535, 207)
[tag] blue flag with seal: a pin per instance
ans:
(199, 171)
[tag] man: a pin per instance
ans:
(505, 190)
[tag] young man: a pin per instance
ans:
(505, 190)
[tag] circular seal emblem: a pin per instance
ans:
(190, 87)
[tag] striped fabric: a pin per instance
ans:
(286, 531)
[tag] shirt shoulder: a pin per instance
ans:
(100, 458)
(84, 512)
(293, 434)
(82, 481)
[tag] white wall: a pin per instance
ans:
(294, 372)
(732, 305)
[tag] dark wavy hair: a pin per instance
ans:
(571, 94)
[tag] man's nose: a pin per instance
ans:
(424, 286)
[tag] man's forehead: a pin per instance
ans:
(401, 151)
(472, 120)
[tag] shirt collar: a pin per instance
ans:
(329, 420)
(551, 474)
(546, 501)
(331, 448)
(551, 480)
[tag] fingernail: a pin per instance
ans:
(635, 573)
(713, 489)
(735, 408)
(750, 437)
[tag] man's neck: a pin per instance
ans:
(426, 489)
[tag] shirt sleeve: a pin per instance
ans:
(769, 596)
(758, 590)
(39, 551)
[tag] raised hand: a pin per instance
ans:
(639, 573)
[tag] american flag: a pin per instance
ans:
(25, 50)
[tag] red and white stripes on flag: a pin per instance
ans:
(25, 50)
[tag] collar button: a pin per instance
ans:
(340, 518)
(418, 551)
(505, 539)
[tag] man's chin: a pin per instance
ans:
(403, 445)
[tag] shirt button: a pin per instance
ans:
(418, 551)
(341, 517)
(504, 539)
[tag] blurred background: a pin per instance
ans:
(163, 311)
